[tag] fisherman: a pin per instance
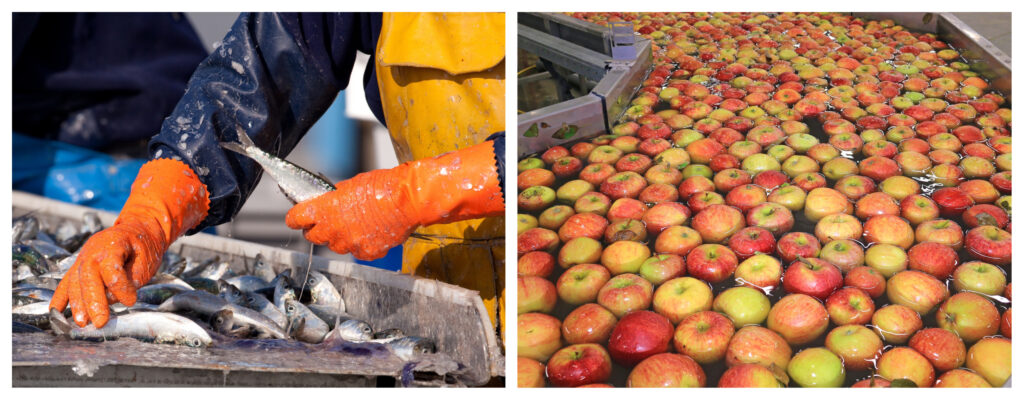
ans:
(435, 80)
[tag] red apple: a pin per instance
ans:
(703, 336)
(536, 263)
(625, 293)
(537, 239)
(539, 336)
(867, 279)
(933, 258)
(711, 262)
(989, 244)
(812, 276)
(638, 335)
(748, 376)
(850, 306)
(941, 347)
(589, 323)
(797, 244)
(667, 370)
(680, 297)
(917, 290)
(535, 294)
(579, 364)
(664, 215)
(758, 345)
(906, 363)
(761, 271)
(750, 241)
(581, 284)
(530, 373)
(717, 222)
(798, 318)
(678, 240)
(584, 224)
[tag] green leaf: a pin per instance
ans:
(905, 383)
(533, 131)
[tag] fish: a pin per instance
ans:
(193, 267)
(262, 269)
(387, 334)
(409, 347)
(303, 324)
(207, 304)
(91, 223)
(19, 327)
(50, 251)
(149, 326)
(247, 283)
(23, 254)
(167, 278)
(160, 292)
(297, 183)
(230, 293)
(223, 322)
(21, 272)
(34, 292)
(69, 236)
(35, 314)
(204, 284)
(258, 303)
(66, 263)
(282, 289)
(323, 292)
(24, 228)
(118, 308)
(44, 237)
(19, 300)
(352, 330)
(172, 264)
(38, 282)
(332, 315)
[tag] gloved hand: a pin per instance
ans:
(377, 210)
(167, 199)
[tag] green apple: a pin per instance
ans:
(887, 259)
(524, 222)
(817, 367)
(571, 191)
(743, 305)
(980, 277)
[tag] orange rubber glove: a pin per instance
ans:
(167, 199)
(377, 210)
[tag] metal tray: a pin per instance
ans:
(468, 350)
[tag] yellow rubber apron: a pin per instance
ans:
(442, 85)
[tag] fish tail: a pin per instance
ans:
(243, 142)
(235, 147)
(59, 324)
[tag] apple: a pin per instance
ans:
(952, 201)
(579, 364)
(566, 167)
(678, 240)
(758, 345)
(663, 173)
(589, 323)
(812, 276)
(797, 244)
(530, 163)
(838, 227)
(985, 214)
(553, 217)
(667, 370)
(550, 156)
(980, 277)
(906, 363)
(845, 254)
(711, 262)
(745, 197)
(625, 293)
(872, 382)
(717, 222)
(1006, 323)
(638, 335)
(857, 345)
(749, 376)
(581, 284)
(624, 256)
(631, 229)
(917, 290)
(660, 268)
(584, 224)
(961, 378)
(595, 173)
(817, 367)
(664, 215)
(703, 336)
(887, 259)
(530, 373)
(592, 202)
(918, 209)
(743, 305)
(798, 318)
(536, 198)
(850, 306)
(539, 336)
(941, 347)
(604, 154)
(537, 239)
(623, 184)
(580, 250)
(570, 192)
(625, 209)
(761, 271)
(896, 323)
(990, 358)
(535, 177)
(525, 222)
(693, 185)
(867, 279)
(969, 315)
(933, 258)
(889, 229)
(990, 244)
(535, 294)
(752, 240)
(702, 200)
(582, 150)
(789, 196)
(536, 263)
(680, 297)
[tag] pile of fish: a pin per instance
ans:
(190, 302)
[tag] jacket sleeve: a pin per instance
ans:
(273, 76)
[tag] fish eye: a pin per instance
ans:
(312, 281)
(367, 330)
(251, 299)
(290, 309)
(196, 342)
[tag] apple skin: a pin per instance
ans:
(798, 318)
(873, 381)
(886, 259)
(535, 177)
(680, 297)
(990, 358)
(824, 201)
(817, 367)
(889, 229)
(537, 239)
(589, 323)
(530, 373)
(718, 222)
(626, 209)
(850, 306)
(917, 290)
(743, 306)
(661, 267)
(844, 254)
(942, 231)
(812, 276)
(667, 370)
(990, 244)
(774, 217)
(1006, 323)
(584, 224)
(941, 347)
(971, 316)
(961, 378)
(857, 345)
(750, 241)
(896, 323)
(535, 294)
(536, 263)
(539, 336)
(952, 202)
(525, 222)
(703, 336)
(581, 283)
(664, 215)
(867, 279)
(579, 364)
(762, 272)
(638, 335)
(581, 250)
(797, 244)
(678, 240)
(980, 277)
(711, 262)
(933, 258)
(758, 345)
(906, 363)
(748, 376)
(625, 293)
